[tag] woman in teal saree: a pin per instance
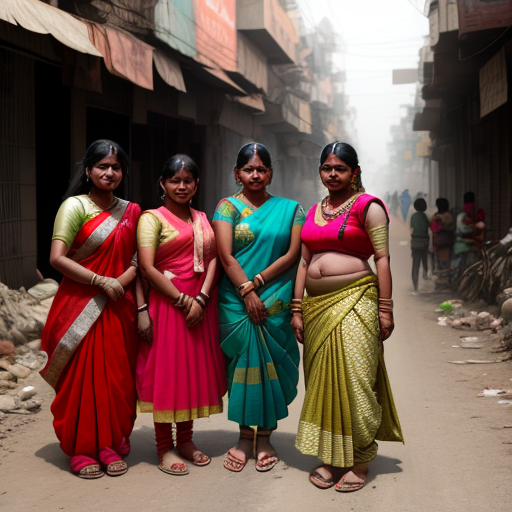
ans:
(258, 239)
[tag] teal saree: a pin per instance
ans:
(263, 359)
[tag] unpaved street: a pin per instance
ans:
(457, 455)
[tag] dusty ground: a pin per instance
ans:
(457, 455)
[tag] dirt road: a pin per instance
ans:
(457, 454)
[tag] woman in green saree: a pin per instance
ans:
(258, 239)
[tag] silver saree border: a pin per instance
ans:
(72, 338)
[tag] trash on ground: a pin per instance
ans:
(492, 392)
(470, 342)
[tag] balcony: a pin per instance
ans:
(266, 24)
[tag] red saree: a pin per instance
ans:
(92, 343)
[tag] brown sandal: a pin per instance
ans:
(265, 462)
(234, 463)
(117, 468)
(318, 480)
(90, 472)
(344, 486)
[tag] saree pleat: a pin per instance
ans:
(263, 359)
(348, 402)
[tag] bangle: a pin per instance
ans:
(245, 288)
(205, 296)
(142, 308)
(243, 285)
(179, 301)
(93, 278)
(297, 313)
(258, 278)
(200, 301)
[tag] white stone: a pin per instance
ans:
(27, 392)
(506, 310)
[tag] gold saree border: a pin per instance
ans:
(252, 376)
(72, 338)
(178, 416)
(102, 232)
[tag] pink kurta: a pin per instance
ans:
(182, 374)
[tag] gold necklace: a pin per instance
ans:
(332, 213)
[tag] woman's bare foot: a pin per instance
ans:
(190, 452)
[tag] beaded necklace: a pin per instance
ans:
(336, 212)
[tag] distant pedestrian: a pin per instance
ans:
(419, 241)
(443, 234)
(405, 203)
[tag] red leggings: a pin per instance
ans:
(163, 435)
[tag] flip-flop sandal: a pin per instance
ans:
(176, 469)
(200, 459)
(266, 463)
(320, 481)
(117, 468)
(233, 463)
(90, 472)
(350, 486)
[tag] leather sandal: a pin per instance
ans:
(344, 486)
(198, 458)
(117, 468)
(176, 468)
(318, 480)
(234, 463)
(90, 472)
(265, 462)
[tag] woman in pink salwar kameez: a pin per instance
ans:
(181, 374)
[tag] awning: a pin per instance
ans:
(125, 55)
(42, 18)
(169, 70)
(254, 102)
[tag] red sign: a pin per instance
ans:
(216, 33)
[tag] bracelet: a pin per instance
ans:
(142, 308)
(245, 288)
(259, 278)
(390, 310)
(179, 301)
(243, 285)
(200, 301)
(297, 313)
(205, 296)
(93, 278)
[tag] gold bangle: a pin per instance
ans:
(243, 285)
(93, 278)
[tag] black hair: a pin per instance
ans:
(176, 163)
(469, 197)
(346, 153)
(247, 151)
(420, 205)
(442, 204)
(97, 151)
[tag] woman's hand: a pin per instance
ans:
(112, 287)
(298, 327)
(255, 308)
(195, 315)
(145, 326)
(387, 324)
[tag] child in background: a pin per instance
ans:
(419, 241)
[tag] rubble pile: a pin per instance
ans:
(22, 317)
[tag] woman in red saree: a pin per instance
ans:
(90, 335)
(182, 374)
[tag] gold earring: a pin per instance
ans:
(353, 185)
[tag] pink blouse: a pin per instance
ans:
(355, 240)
